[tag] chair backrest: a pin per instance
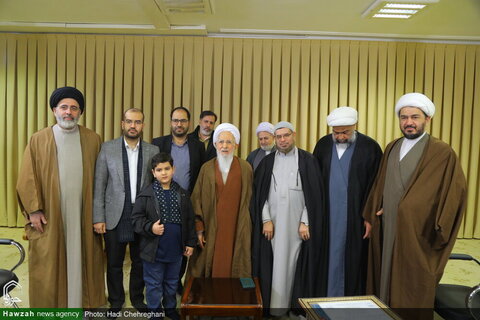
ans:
(19, 247)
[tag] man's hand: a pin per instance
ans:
(158, 228)
(201, 239)
(368, 229)
(37, 220)
(303, 231)
(268, 230)
(99, 227)
(379, 212)
(188, 251)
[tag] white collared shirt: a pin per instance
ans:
(132, 155)
(408, 144)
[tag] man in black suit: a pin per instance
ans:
(188, 157)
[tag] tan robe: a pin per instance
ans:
(204, 200)
(38, 189)
(428, 217)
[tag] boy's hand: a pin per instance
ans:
(158, 228)
(188, 251)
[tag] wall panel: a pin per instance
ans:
(245, 81)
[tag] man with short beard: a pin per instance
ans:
(55, 193)
(221, 201)
(267, 144)
(204, 132)
(414, 211)
(348, 162)
(288, 251)
(122, 170)
(188, 155)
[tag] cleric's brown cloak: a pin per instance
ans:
(204, 204)
(429, 215)
(38, 189)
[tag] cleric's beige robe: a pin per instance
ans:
(38, 189)
(428, 217)
(204, 204)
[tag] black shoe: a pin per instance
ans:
(140, 306)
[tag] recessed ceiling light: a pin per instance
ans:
(401, 9)
(188, 27)
(405, 6)
(398, 11)
(394, 16)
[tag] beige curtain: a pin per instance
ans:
(245, 81)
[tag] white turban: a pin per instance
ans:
(342, 116)
(265, 126)
(416, 100)
(226, 127)
(283, 124)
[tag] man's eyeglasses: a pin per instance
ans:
(280, 136)
(182, 121)
(137, 122)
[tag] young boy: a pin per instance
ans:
(164, 218)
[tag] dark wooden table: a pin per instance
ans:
(222, 297)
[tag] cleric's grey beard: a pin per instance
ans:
(350, 140)
(267, 148)
(224, 164)
(66, 124)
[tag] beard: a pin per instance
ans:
(267, 148)
(412, 136)
(350, 140)
(132, 135)
(66, 124)
(180, 133)
(224, 164)
(205, 132)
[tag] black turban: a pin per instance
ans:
(67, 92)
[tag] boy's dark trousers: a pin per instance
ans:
(161, 280)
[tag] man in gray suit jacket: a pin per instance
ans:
(122, 170)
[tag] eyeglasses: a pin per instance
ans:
(65, 107)
(280, 136)
(137, 122)
(182, 121)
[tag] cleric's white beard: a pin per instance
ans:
(224, 164)
(267, 148)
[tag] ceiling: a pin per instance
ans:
(446, 20)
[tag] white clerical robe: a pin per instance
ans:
(286, 208)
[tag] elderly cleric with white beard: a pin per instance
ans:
(221, 199)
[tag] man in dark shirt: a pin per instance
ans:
(204, 133)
